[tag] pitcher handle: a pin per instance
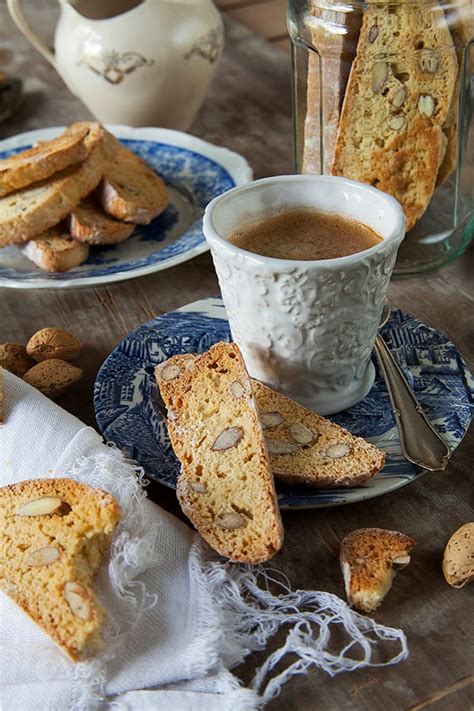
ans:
(20, 21)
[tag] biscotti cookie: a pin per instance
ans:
(90, 224)
(54, 533)
(397, 100)
(55, 251)
(131, 191)
(43, 160)
(33, 210)
(305, 448)
(370, 559)
(328, 72)
(225, 486)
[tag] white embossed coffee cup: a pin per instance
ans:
(306, 328)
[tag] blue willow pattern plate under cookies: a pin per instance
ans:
(194, 172)
(125, 396)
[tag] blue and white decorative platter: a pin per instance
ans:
(125, 397)
(194, 172)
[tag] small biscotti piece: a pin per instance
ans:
(51, 342)
(43, 160)
(131, 191)
(56, 251)
(305, 448)
(370, 559)
(33, 210)
(54, 533)
(398, 96)
(225, 486)
(90, 224)
(458, 557)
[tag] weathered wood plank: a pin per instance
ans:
(268, 19)
(248, 110)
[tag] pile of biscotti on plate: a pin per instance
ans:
(80, 189)
(233, 435)
(388, 95)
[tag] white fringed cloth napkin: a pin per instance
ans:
(180, 618)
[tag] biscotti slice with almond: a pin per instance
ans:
(131, 191)
(55, 250)
(305, 448)
(33, 210)
(396, 102)
(225, 486)
(89, 223)
(44, 159)
(370, 559)
(53, 536)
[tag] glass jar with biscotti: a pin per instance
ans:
(384, 94)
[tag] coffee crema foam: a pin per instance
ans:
(304, 234)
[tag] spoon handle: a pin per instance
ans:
(420, 443)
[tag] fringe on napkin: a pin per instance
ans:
(239, 614)
(244, 615)
(133, 551)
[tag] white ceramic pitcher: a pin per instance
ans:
(141, 63)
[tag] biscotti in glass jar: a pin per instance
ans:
(384, 94)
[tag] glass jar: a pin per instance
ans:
(383, 93)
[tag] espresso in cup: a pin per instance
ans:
(304, 234)
(306, 323)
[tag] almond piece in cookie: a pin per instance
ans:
(54, 533)
(370, 558)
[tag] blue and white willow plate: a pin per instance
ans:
(194, 172)
(126, 411)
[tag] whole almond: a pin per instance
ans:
(52, 377)
(13, 357)
(53, 343)
(379, 76)
(170, 372)
(458, 557)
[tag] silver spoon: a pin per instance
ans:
(420, 442)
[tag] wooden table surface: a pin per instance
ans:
(248, 109)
